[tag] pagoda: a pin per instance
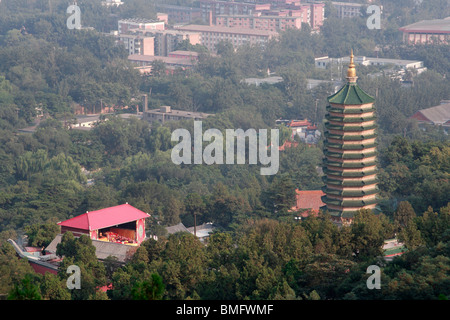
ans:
(350, 164)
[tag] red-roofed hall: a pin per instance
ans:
(122, 224)
(308, 202)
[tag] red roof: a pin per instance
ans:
(309, 199)
(104, 218)
(288, 144)
(299, 123)
(420, 116)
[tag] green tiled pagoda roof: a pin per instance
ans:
(356, 137)
(351, 183)
(361, 127)
(357, 174)
(350, 94)
(350, 193)
(359, 146)
(350, 111)
(350, 165)
(350, 119)
(349, 155)
(348, 203)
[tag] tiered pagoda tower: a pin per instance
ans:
(350, 151)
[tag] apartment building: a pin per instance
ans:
(134, 24)
(317, 15)
(210, 9)
(136, 44)
(347, 9)
(212, 35)
(180, 14)
(269, 16)
(167, 40)
(154, 42)
(260, 22)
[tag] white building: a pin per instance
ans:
(347, 9)
(111, 3)
(134, 24)
(323, 62)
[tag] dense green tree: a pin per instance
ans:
(302, 164)
(80, 252)
(434, 225)
(183, 266)
(194, 206)
(322, 233)
(99, 196)
(53, 288)
(322, 272)
(27, 289)
(280, 197)
(404, 214)
(41, 235)
(226, 208)
(151, 289)
(13, 269)
(367, 234)
(410, 236)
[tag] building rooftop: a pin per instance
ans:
(177, 228)
(103, 249)
(437, 115)
(308, 199)
(171, 6)
(351, 94)
(234, 30)
(185, 53)
(167, 60)
(258, 16)
(180, 113)
(368, 60)
(353, 4)
(429, 26)
(259, 81)
(104, 218)
(140, 20)
(299, 123)
(203, 230)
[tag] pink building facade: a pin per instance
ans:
(269, 17)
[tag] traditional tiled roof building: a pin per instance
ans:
(350, 151)
(437, 116)
(308, 202)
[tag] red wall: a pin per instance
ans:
(41, 269)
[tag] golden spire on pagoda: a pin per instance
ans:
(351, 72)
